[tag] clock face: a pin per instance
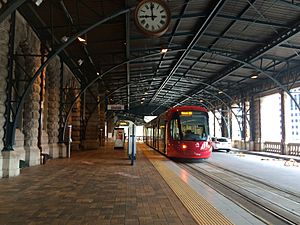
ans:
(152, 17)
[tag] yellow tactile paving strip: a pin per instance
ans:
(202, 211)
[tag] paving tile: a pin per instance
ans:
(93, 187)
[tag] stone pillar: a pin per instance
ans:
(43, 111)
(92, 129)
(75, 119)
(226, 123)
(9, 160)
(4, 40)
(245, 124)
(283, 146)
(110, 127)
(30, 127)
(91, 140)
(10, 164)
(53, 91)
(31, 110)
(255, 124)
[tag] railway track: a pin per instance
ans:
(270, 204)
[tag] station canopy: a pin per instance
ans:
(216, 52)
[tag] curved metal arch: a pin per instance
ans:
(52, 55)
(144, 80)
(235, 115)
(222, 117)
(257, 69)
(112, 92)
(218, 110)
(105, 73)
(208, 85)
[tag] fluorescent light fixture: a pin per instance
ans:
(163, 50)
(220, 92)
(254, 76)
(143, 99)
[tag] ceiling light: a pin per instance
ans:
(80, 61)
(82, 40)
(64, 39)
(38, 2)
(201, 100)
(254, 76)
(142, 102)
(220, 92)
(98, 73)
(163, 50)
(143, 98)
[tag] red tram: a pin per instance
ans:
(180, 132)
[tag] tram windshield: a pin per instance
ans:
(194, 125)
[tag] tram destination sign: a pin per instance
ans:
(115, 107)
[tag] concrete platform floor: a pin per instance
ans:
(93, 187)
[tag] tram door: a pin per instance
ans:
(162, 135)
(155, 137)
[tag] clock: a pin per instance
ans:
(152, 17)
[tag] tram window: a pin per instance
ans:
(161, 129)
(174, 129)
(194, 127)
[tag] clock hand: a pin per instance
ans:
(152, 7)
(145, 16)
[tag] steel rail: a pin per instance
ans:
(252, 205)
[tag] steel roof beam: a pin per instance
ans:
(255, 54)
(236, 39)
(183, 9)
(291, 3)
(217, 7)
(9, 8)
(246, 61)
(254, 21)
(215, 41)
(223, 33)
